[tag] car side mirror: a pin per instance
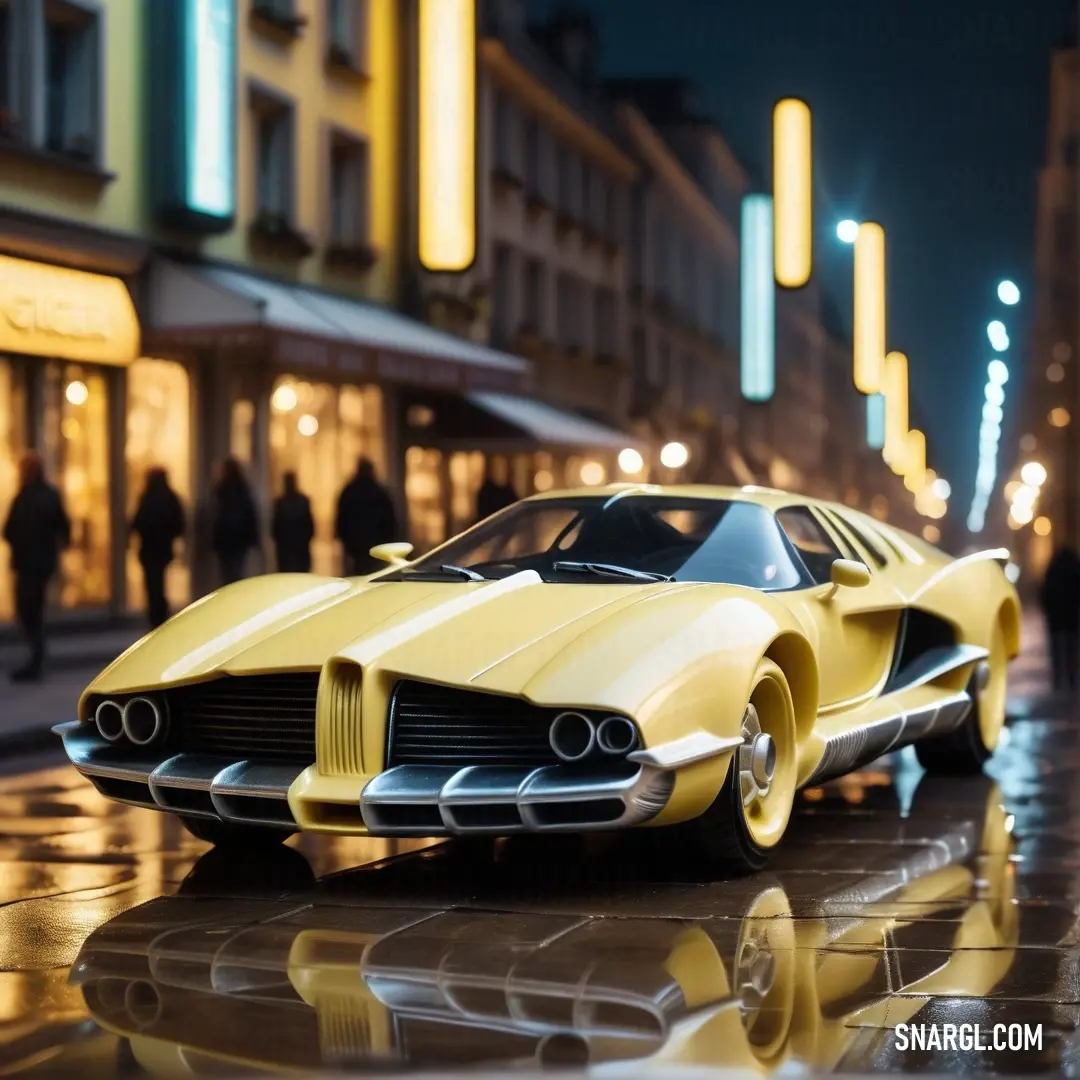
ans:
(396, 554)
(849, 574)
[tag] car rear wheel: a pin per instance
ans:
(226, 834)
(738, 832)
(964, 751)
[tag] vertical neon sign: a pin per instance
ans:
(875, 421)
(210, 76)
(758, 356)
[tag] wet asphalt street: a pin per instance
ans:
(128, 948)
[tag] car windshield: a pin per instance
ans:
(621, 539)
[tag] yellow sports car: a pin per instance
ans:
(596, 659)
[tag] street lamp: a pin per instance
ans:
(674, 455)
(998, 335)
(1008, 293)
(847, 231)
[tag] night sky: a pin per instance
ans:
(930, 117)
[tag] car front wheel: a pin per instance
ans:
(225, 834)
(738, 832)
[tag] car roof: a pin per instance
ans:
(772, 498)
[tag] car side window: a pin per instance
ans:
(860, 534)
(810, 540)
(841, 535)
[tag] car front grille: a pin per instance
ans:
(259, 717)
(439, 725)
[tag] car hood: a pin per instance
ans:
(514, 635)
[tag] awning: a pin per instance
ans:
(197, 306)
(550, 426)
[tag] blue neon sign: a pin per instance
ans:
(192, 136)
(758, 354)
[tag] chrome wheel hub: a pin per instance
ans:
(755, 972)
(757, 758)
(982, 676)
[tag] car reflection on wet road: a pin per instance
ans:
(898, 898)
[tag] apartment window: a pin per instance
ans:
(72, 80)
(533, 295)
(568, 302)
(274, 121)
(503, 296)
(639, 357)
(569, 182)
(534, 157)
(346, 29)
(283, 10)
(505, 132)
(689, 284)
(348, 191)
(587, 199)
(604, 330)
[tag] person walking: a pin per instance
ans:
(365, 517)
(293, 529)
(158, 523)
(1060, 600)
(235, 522)
(36, 530)
(496, 492)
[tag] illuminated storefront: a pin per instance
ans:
(66, 339)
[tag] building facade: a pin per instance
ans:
(1051, 393)
(549, 281)
(200, 257)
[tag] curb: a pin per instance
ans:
(27, 741)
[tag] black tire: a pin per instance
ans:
(227, 835)
(721, 838)
(960, 752)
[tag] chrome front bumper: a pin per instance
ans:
(425, 800)
(194, 785)
(410, 800)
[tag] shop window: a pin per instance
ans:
(466, 476)
(346, 25)
(158, 436)
(320, 432)
(76, 450)
(12, 443)
(424, 496)
(72, 79)
(242, 430)
(274, 123)
(349, 187)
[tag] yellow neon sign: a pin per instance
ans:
(792, 193)
(69, 314)
(915, 463)
(447, 134)
(896, 409)
(869, 336)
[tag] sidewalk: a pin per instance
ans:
(29, 710)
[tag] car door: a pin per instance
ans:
(853, 629)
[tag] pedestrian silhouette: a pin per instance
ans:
(37, 528)
(235, 521)
(1060, 599)
(293, 528)
(159, 522)
(496, 492)
(365, 517)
